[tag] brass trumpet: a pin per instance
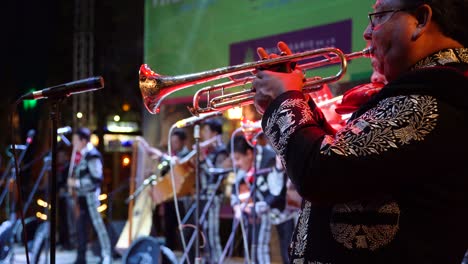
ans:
(154, 87)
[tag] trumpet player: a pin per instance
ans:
(387, 187)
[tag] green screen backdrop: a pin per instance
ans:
(189, 36)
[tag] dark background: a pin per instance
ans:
(37, 52)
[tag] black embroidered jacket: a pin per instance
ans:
(89, 170)
(391, 186)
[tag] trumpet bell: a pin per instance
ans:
(150, 87)
(155, 87)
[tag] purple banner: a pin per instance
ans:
(332, 35)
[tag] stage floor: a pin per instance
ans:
(69, 256)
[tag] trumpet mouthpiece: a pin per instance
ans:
(368, 52)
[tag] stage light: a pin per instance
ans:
(41, 216)
(102, 197)
(125, 161)
(30, 104)
(102, 208)
(126, 107)
(94, 140)
(116, 118)
(41, 203)
(79, 115)
(234, 113)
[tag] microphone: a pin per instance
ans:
(263, 171)
(29, 140)
(67, 89)
(251, 125)
(150, 180)
(30, 136)
(17, 147)
(64, 130)
(219, 171)
(195, 119)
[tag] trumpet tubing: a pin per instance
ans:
(155, 87)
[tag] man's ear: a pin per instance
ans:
(423, 15)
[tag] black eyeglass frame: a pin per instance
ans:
(371, 15)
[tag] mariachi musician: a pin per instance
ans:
(144, 175)
(213, 155)
(179, 149)
(213, 152)
(85, 187)
(270, 196)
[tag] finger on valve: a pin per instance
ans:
(284, 49)
(262, 54)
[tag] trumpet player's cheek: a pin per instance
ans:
(261, 100)
(261, 103)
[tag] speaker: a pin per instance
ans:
(142, 251)
(114, 229)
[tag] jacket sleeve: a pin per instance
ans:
(276, 196)
(372, 154)
(95, 169)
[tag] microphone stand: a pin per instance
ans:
(11, 173)
(253, 248)
(202, 216)
(57, 94)
(236, 222)
(196, 136)
(54, 117)
(150, 180)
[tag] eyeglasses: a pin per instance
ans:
(379, 18)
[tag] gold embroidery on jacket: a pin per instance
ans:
(396, 121)
(302, 226)
(365, 236)
(463, 54)
(298, 261)
(443, 57)
(287, 123)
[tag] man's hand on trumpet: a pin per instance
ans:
(269, 83)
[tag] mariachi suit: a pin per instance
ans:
(170, 214)
(390, 186)
(211, 224)
(270, 196)
(88, 172)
